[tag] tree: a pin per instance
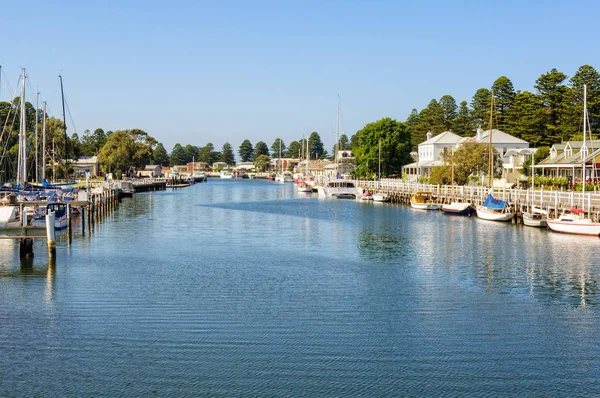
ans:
(448, 108)
(160, 155)
(551, 92)
(294, 150)
(412, 123)
(315, 146)
(572, 119)
(278, 148)
(480, 107)
(260, 149)
(246, 151)
(471, 158)
(192, 153)
(261, 162)
(178, 156)
(227, 154)
(125, 150)
(525, 118)
(344, 143)
(463, 124)
(205, 153)
(394, 139)
(504, 94)
(541, 154)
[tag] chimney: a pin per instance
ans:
(428, 135)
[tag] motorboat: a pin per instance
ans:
(574, 222)
(381, 197)
(284, 177)
(225, 174)
(423, 201)
(303, 187)
(339, 189)
(60, 216)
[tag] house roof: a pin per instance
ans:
(447, 137)
(152, 166)
(499, 137)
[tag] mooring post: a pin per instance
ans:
(69, 230)
(51, 234)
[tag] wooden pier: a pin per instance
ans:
(553, 201)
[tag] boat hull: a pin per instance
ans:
(580, 227)
(486, 214)
(458, 209)
(424, 206)
(381, 197)
(534, 220)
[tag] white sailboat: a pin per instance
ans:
(282, 176)
(380, 196)
(534, 216)
(574, 222)
(492, 209)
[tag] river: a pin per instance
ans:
(248, 288)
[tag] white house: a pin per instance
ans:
(430, 152)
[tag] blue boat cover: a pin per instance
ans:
(492, 203)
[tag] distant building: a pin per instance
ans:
(151, 171)
(86, 164)
(216, 166)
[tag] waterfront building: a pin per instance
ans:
(151, 171)
(566, 160)
(84, 165)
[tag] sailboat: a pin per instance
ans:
(457, 208)
(282, 176)
(304, 185)
(380, 196)
(574, 222)
(534, 216)
(492, 209)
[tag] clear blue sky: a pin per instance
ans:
(198, 71)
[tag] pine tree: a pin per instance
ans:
(504, 95)
(480, 107)
(463, 124)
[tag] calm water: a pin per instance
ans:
(247, 288)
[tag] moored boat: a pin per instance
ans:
(535, 218)
(494, 210)
(423, 201)
(574, 222)
(381, 197)
(303, 187)
(458, 208)
(340, 189)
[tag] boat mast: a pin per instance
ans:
(490, 154)
(62, 93)
(379, 177)
(22, 158)
(37, 166)
(583, 148)
(337, 136)
(44, 141)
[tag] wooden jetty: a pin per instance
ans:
(552, 200)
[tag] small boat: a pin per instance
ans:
(225, 174)
(303, 187)
(458, 208)
(535, 218)
(574, 222)
(9, 216)
(366, 196)
(284, 177)
(423, 201)
(60, 215)
(494, 210)
(381, 197)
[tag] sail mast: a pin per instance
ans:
(337, 136)
(62, 93)
(583, 148)
(44, 141)
(37, 166)
(22, 158)
(490, 154)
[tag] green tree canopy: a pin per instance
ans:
(205, 152)
(525, 117)
(463, 124)
(160, 155)
(293, 150)
(394, 138)
(504, 94)
(315, 146)
(227, 154)
(261, 162)
(178, 156)
(471, 159)
(278, 148)
(448, 107)
(260, 149)
(126, 150)
(480, 107)
(246, 151)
